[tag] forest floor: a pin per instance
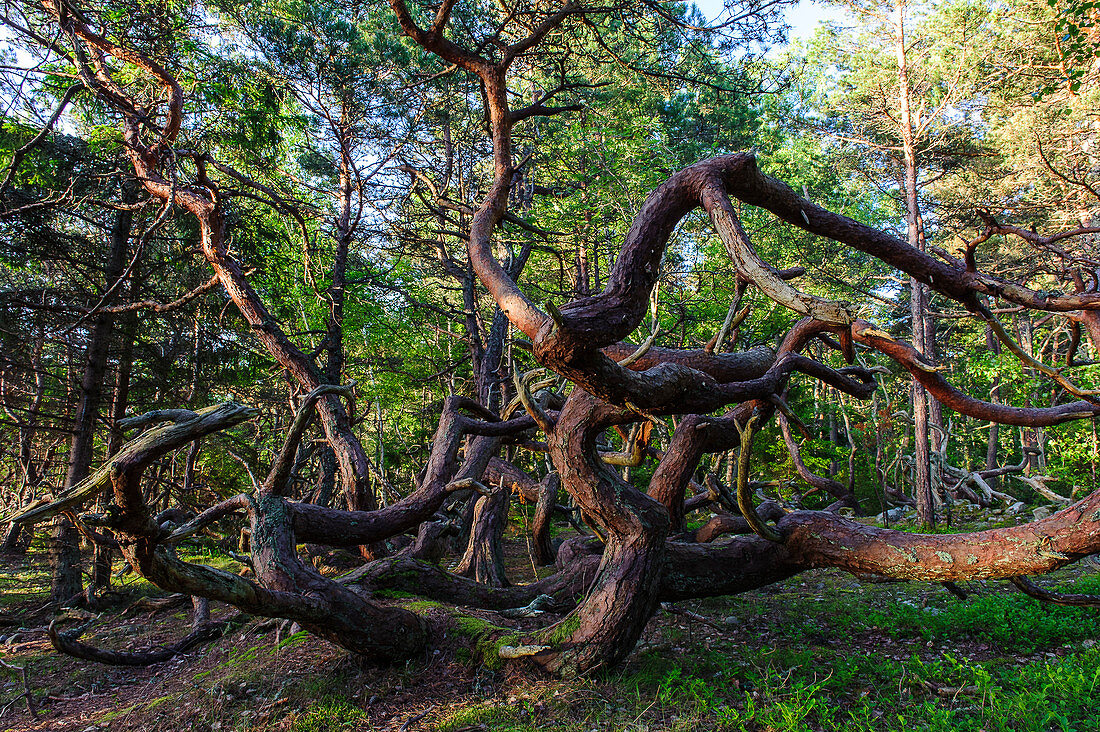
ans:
(821, 651)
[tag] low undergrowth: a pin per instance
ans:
(822, 651)
(811, 690)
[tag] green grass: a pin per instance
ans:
(501, 718)
(803, 690)
(212, 556)
(327, 715)
(878, 660)
(1002, 617)
(25, 578)
(1007, 619)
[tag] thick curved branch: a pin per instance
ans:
(744, 495)
(723, 367)
(433, 39)
(595, 322)
(237, 503)
(910, 359)
(156, 416)
(279, 477)
(749, 265)
(67, 643)
(818, 539)
(576, 565)
(332, 527)
(139, 451)
(725, 524)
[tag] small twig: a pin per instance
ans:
(668, 607)
(413, 720)
(26, 694)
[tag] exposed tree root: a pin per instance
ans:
(67, 642)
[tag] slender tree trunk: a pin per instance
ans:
(27, 430)
(491, 367)
(192, 391)
(922, 475)
(1031, 438)
(102, 554)
(993, 447)
(582, 279)
(544, 552)
(1093, 453)
(12, 543)
(65, 553)
(431, 542)
(326, 477)
(351, 458)
(834, 439)
(66, 583)
(937, 433)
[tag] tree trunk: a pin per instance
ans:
(16, 539)
(432, 541)
(103, 554)
(994, 347)
(922, 475)
(674, 472)
(834, 440)
(484, 557)
(544, 552)
(27, 464)
(937, 433)
(27, 430)
(66, 584)
(607, 624)
(492, 370)
(326, 477)
(66, 553)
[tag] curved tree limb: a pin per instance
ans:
(744, 496)
(67, 642)
(1029, 588)
(908, 357)
(154, 441)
